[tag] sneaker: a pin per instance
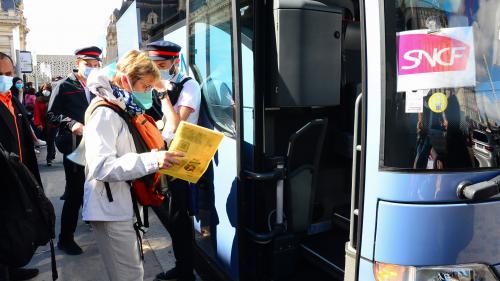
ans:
(49, 163)
(69, 247)
(40, 142)
(18, 274)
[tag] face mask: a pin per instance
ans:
(166, 75)
(5, 83)
(87, 71)
(46, 93)
(143, 99)
(19, 86)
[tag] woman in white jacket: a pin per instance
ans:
(111, 157)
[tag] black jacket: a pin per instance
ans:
(68, 103)
(8, 135)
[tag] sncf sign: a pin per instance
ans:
(445, 59)
(424, 53)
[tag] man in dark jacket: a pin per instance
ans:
(16, 137)
(68, 102)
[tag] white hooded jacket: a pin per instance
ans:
(110, 157)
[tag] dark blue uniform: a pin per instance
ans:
(174, 213)
(67, 106)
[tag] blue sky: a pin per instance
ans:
(58, 27)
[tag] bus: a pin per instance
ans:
(351, 148)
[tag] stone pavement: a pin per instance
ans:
(89, 266)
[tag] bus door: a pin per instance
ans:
(431, 197)
(227, 101)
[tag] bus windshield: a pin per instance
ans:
(443, 76)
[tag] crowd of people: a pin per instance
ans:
(99, 104)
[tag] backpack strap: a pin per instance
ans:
(108, 191)
(176, 93)
(138, 225)
(55, 275)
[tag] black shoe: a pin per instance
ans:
(172, 274)
(49, 163)
(18, 274)
(69, 247)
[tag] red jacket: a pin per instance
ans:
(40, 114)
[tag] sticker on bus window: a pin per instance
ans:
(438, 102)
(442, 59)
(414, 102)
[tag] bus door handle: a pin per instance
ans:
(278, 174)
(479, 191)
(355, 149)
(267, 176)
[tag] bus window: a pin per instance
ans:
(441, 105)
(211, 60)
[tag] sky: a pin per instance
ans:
(59, 27)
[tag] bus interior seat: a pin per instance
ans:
(302, 163)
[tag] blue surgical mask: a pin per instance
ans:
(5, 83)
(143, 99)
(165, 75)
(168, 74)
(87, 71)
(19, 86)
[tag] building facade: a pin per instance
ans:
(13, 27)
(154, 17)
(49, 67)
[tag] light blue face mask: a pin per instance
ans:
(143, 99)
(5, 83)
(166, 75)
(87, 71)
(19, 86)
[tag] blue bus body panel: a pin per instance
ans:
(438, 234)
(413, 188)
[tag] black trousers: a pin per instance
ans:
(174, 215)
(51, 145)
(75, 178)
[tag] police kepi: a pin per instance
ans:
(88, 53)
(163, 50)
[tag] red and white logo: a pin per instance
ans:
(425, 53)
(439, 60)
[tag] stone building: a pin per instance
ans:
(154, 16)
(13, 27)
(51, 66)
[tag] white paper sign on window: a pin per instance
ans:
(443, 59)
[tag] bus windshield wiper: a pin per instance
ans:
(479, 191)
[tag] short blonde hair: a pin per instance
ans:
(135, 65)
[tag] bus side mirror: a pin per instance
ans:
(479, 191)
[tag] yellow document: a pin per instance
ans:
(199, 146)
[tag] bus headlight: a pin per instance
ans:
(465, 272)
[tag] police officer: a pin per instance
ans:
(68, 102)
(180, 102)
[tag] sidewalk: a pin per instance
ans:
(89, 266)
